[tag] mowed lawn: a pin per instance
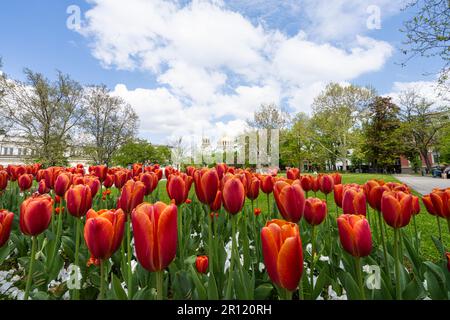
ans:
(426, 224)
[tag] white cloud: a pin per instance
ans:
(214, 66)
(429, 90)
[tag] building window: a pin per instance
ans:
(11, 151)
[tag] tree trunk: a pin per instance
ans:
(424, 154)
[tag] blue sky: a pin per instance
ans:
(206, 65)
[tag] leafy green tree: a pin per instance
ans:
(141, 151)
(382, 135)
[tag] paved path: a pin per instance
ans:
(423, 185)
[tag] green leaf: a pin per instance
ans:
(213, 293)
(320, 282)
(439, 246)
(118, 290)
(4, 252)
(263, 291)
(201, 290)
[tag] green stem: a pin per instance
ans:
(313, 252)
(233, 245)
(359, 275)
(58, 232)
(397, 265)
(159, 285)
(76, 293)
(383, 242)
(448, 224)
(102, 280)
(180, 233)
(268, 207)
(288, 295)
(210, 244)
(130, 275)
(30, 270)
(416, 234)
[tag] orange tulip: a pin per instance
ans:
(6, 219)
(290, 200)
(132, 195)
(233, 195)
(355, 235)
(206, 185)
(415, 205)
(150, 180)
(35, 214)
(25, 181)
(396, 208)
(338, 193)
(62, 184)
(100, 172)
(267, 183)
(3, 179)
(326, 184)
(293, 173)
(252, 187)
(94, 183)
(441, 202)
(103, 232)
(315, 211)
(78, 200)
(201, 263)
(155, 234)
(337, 177)
(217, 203)
(257, 211)
(374, 196)
(178, 187)
(354, 201)
(282, 251)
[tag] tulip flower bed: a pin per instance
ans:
(218, 233)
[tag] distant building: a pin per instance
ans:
(433, 158)
(16, 150)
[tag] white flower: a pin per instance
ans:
(324, 258)
(261, 267)
(425, 284)
(309, 248)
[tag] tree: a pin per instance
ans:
(45, 113)
(141, 151)
(422, 123)
(427, 32)
(337, 112)
(381, 134)
(109, 123)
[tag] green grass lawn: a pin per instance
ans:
(426, 224)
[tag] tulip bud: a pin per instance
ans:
(25, 181)
(293, 173)
(120, 178)
(426, 199)
(354, 201)
(282, 252)
(78, 200)
(94, 183)
(3, 179)
(155, 234)
(100, 172)
(267, 183)
(150, 181)
(290, 200)
(315, 211)
(355, 235)
(338, 193)
(201, 263)
(441, 202)
(132, 194)
(326, 184)
(257, 211)
(109, 181)
(306, 182)
(103, 232)
(178, 187)
(415, 205)
(42, 187)
(233, 195)
(62, 184)
(6, 219)
(396, 208)
(35, 214)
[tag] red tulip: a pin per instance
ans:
(354, 202)
(36, 214)
(25, 181)
(206, 185)
(306, 182)
(155, 234)
(315, 183)
(338, 193)
(217, 203)
(103, 232)
(257, 211)
(100, 172)
(441, 202)
(120, 178)
(3, 179)
(221, 169)
(94, 183)
(267, 183)
(374, 196)
(426, 199)
(150, 180)
(62, 184)
(293, 173)
(78, 200)
(109, 181)
(282, 251)
(355, 235)
(201, 263)
(290, 200)
(326, 184)
(42, 187)
(178, 187)
(6, 219)
(396, 208)
(315, 211)
(337, 177)
(132, 195)
(253, 184)
(233, 195)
